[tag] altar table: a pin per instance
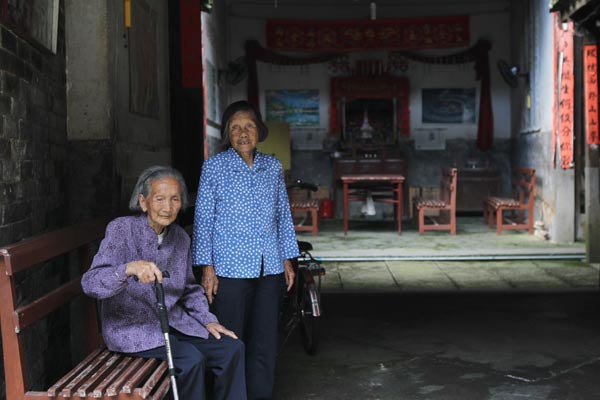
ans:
(385, 188)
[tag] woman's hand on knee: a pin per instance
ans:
(210, 282)
(217, 329)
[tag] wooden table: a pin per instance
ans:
(367, 166)
(387, 188)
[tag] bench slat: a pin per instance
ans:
(108, 379)
(153, 380)
(70, 389)
(36, 396)
(164, 387)
(92, 381)
(58, 386)
(36, 310)
(105, 374)
(138, 376)
(115, 387)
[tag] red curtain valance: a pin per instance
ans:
(378, 87)
(384, 34)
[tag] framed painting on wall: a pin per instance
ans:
(296, 107)
(34, 20)
(448, 106)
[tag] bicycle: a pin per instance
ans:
(302, 304)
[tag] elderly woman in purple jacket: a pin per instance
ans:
(132, 255)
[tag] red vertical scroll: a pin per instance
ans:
(191, 43)
(590, 87)
(565, 85)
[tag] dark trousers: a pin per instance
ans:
(192, 356)
(250, 308)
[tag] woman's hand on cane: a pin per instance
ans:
(144, 271)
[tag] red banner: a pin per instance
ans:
(590, 87)
(385, 34)
(191, 43)
(563, 132)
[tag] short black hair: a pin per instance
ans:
(235, 107)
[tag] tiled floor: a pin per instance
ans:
(442, 276)
(373, 258)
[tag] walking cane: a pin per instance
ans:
(164, 327)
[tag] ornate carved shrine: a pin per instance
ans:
(393, 88)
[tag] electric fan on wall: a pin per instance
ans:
(511, 73)
(236, 71)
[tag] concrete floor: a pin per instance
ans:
(377, 239)
(515, 326)
(476, 346)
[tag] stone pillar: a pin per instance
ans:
(563, 223)
(93, 184)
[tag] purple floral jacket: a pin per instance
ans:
(128, 309)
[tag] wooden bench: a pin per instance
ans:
(520, 205)
(102, 374)
(446, 205)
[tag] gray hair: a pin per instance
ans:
(144, 182)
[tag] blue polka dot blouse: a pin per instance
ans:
(242, 217)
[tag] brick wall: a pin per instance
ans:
(33, 141)
(33, 154)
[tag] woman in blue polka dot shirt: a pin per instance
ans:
(244, 240)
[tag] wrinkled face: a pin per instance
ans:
(162, 204)
(243, 133)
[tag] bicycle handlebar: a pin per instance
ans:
(303, 185)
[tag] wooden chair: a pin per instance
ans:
(306, 207)
(520, 205)
(446, 205)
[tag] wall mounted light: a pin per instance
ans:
(373, 8)
(207, 5)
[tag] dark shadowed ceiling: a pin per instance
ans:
(344, 9)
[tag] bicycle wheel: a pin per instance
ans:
(289, 314)
(309, 324)
(285, 322)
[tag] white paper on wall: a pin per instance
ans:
(308, 138)
(430, 139)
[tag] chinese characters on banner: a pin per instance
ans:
(590, 82)
(389, 34)
(563, 128)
